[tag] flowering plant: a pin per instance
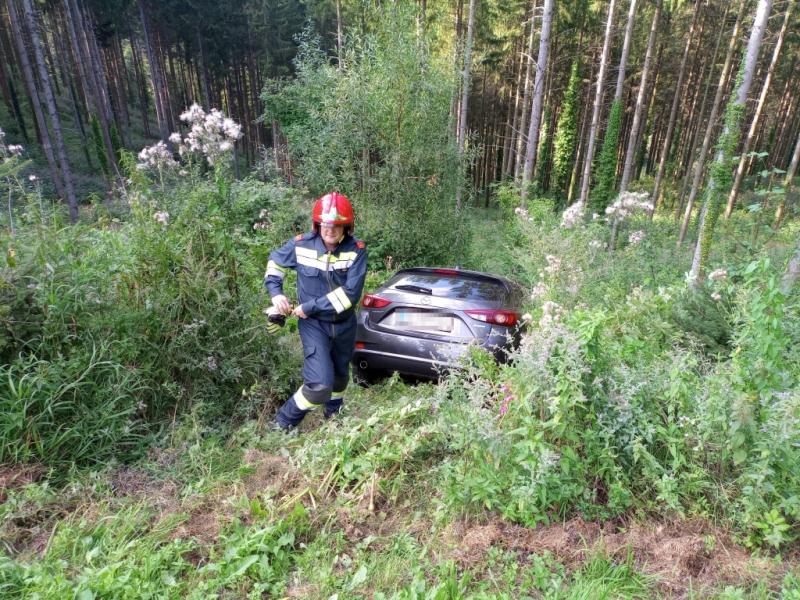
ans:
(211, 137)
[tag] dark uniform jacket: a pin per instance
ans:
(329, 284)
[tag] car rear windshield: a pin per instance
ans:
(461, 287)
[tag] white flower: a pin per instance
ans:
(32, 178)
(596, 244)
(157, 156)
(718, 275)
(527, 318)
(175, 138)
(553, 264)
(572, 216)
(716, 296)
(636, 237)
(539, 290)
(628, 203)
(162, 217)
(15, 149)
(212, 363)
(551, 313)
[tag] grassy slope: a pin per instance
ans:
(356, 507)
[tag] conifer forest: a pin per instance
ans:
(629, 169)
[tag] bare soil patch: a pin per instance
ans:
(17, 476)
(271, 473)
(681, 555)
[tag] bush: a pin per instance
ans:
(377, 130)
(110, 326)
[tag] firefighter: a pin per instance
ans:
(331, 267)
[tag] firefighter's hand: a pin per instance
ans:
(298, 312)
(281, 303)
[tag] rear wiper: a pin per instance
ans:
(414, 288)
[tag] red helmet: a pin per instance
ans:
(333, 209)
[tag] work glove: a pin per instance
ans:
(275, 320)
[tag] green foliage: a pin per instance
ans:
(110, 326)
(720, 177)
(377, 130)
(607, 161)
(99, 146)
(116, 140)
(566, 132)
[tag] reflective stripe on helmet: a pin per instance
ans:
(338, 298)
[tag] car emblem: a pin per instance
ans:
(425, 300)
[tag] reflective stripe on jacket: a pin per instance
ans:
(329, 284)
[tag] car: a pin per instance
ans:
(422, 321)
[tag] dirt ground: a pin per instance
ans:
(682, 555)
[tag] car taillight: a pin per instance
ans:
(506, 318)
(447, 271)
(371, 301)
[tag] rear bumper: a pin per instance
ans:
(407, 365)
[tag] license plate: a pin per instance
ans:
(422, 321)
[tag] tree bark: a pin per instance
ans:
(158, 84)
(633, 142)
(626, 48)
(740, 169)
(787, 185)
(712, 119)
(598, 100)
(665, 151)
(526, 94)
(708, 214)
(792, 273)
(538, 93)
(35, 100)
(462, 122)
(55, 121)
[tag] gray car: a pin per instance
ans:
(422, 321)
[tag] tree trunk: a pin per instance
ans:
(526, 94)
(582, 135)
(737, 182)
(633, 142)
(158, 84)
(665, 151)
(727, 144)
(712, 119)
(76, 27)
(787, 185)
(10, 92)
(538, 93)
(141, 85)
(55, 121)
(598, 100)
(792, 273)
(339, 35)
(462, 122)
(689, 159)
(626, 48)
(33, 95)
